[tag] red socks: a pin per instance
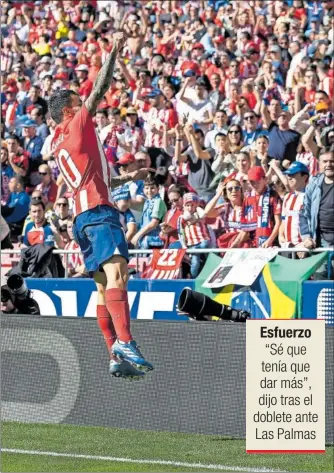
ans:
(118, 307)
(104, 321)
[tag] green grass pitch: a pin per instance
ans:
(209, 450)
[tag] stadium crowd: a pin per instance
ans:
(230, 102)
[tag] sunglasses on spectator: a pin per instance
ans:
(249, 117)
(233, 188)
(43, 173)
(62, 204)
(233, 132)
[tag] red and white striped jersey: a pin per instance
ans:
(193, 233)
(231, 217)
(156, 118)
(75, 259)
(310, 161)
(292, 205)
(82, 162)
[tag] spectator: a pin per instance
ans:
(317, 215)
(283, 142)
(153, 213)
(17, 207)
(17, 157)
(60, 220)
(32, 144)
(86, 85)
(157, 116)
(42, 129)
(101, 120)
(74, 261)
(298, 175)
(134, 134)
(10, 107)
(243, 165)
(200, 108)
(121, 195)
(199, 159)
(235, 139)
(229, 213)
(220, 126)
(260, 153)
(46, 151)
(33, 100)
(38, 231)
(5, 240)
(113, 136)
(169, 231)
(222, 164)
(262, 211)
(47, 186)
(193, 230)
(7, 173)
(251, 130)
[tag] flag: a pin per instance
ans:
(165, 264)
(276, 293)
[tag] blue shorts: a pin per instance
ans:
(100, 235)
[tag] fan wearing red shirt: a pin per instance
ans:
(97, 227)
(261, 212)
(47, 186)
(86, 86)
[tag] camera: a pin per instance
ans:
(17, 292)
(197, 306)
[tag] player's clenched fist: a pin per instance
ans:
(119, 40)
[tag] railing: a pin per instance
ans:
(194, 251)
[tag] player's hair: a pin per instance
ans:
(58, 100)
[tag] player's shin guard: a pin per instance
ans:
(118, 307)
(106, 325)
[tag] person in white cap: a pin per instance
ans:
(86, 86)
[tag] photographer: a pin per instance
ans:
(7, 306)
(16, 297)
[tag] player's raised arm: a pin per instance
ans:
(104, 77)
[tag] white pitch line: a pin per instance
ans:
(132, 460)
